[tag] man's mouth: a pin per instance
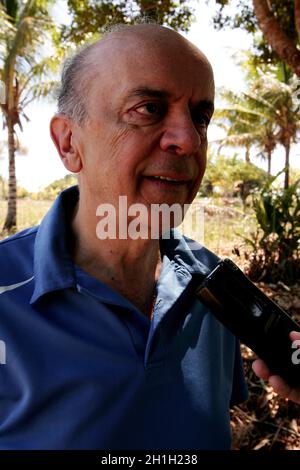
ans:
(168, 180)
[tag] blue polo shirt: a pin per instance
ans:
(82, 368)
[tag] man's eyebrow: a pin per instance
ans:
(146, 91)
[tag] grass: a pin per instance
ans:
(224, 224)
(30, 212)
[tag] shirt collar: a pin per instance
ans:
(53, 267)
(187, 255)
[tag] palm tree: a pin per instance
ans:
(264, 116)
(26, 28)
(245, 126)
(279, 99)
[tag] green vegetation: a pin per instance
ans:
(276, 244)
(52, 190)
(90, 17)
(264, 116)
(231, 176)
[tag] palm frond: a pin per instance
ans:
(46, 67)
(6, 23)
(30, 31)
(40, 90)
(236, 140)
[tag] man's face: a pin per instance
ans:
(148, 111)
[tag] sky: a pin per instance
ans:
(41, 165)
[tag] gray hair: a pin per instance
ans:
(71, 96)
(76, 74)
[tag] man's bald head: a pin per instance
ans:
(121, 40)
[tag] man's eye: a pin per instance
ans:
(201, 120)
(149, 109)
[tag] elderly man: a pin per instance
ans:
(106, 345)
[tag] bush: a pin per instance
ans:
(276, 244)
(231, 176)
(52, 190)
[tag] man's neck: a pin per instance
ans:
(131, 267)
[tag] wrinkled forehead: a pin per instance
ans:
(160, 58)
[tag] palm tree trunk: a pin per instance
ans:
(275, 36)
(269, 162)
(287, 165)
(11, 217)
(247, 155)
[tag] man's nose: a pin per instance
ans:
(181, 137)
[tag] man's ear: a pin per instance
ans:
(61, 130)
